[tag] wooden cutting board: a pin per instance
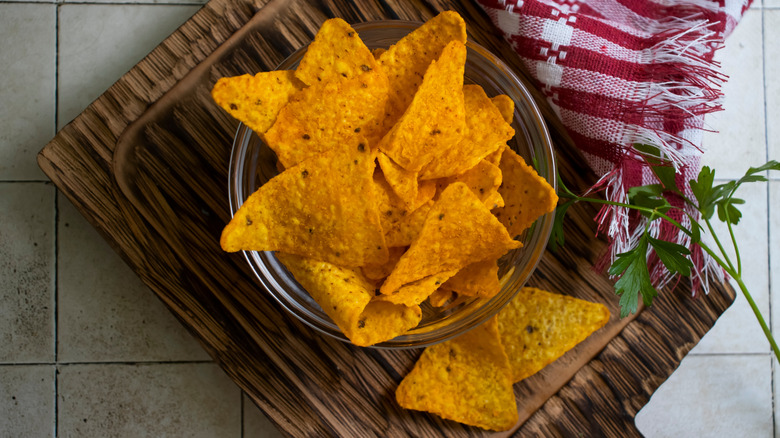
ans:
(147, 165)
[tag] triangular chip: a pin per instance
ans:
(458, 230)
(406, 61)
(441, 297)
(485, 132)
(401, 222)
(465, 379)
(314, 210)
(321, 116)
(347, 298)
(336, 52)
(416, 292)
(479, 279)
(526, 194)
(505, 105)
(404, 231)
(435, 119)
(379, 272)
(256, 100)
(402, 181)
(484, 180)
(538, 327)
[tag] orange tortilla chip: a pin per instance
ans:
(441, 297)
(465, 379)
(538, 327)
(526, 194)
(416, 292)
(484, 180)
(347, 298)
(311, 210)
(457, 230)
(505, 105)
(256, 100)
(435, 119)
(378, 272)
(479, 279)
(323, 115)
(407, 61)
(378, 52)
(485, 132)
(336, 52)
(404, 231)
(402, 182)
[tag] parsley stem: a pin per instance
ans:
(650, 211)
(754, 307)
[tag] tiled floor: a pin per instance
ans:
(86, 350)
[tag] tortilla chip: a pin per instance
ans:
(416, 292)
(402, 182)
(378, 272)
(485, 132)
(256, 100)
(323, 115)
(527, 196)
(538, 327)
(378, 52)
(484, 180)
(347, 298)
(407, 61)
(465, 379)
(441, 297)
(435, 119)
(314, 210)
(479, 279)
(505, 105)
(458, 230)
(336, 52)
(404, 231)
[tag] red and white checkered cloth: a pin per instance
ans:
(626, 72)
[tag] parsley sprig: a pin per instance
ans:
(630, 268)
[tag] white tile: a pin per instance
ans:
(712, 396)
(27, 401)
(26, 272)
(737, 330)
(772, 57)
(99, 43)
(740, 141)
(27, 58)
(154, 400)
(105, 312)
(774, 255)
(256, 424)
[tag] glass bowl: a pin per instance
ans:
(252, 163)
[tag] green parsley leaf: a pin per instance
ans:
(557, 239)
(634, 278)
(672, 255)
(649, 196)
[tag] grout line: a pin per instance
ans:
(56, 400)
(23, 181)
(159, 362)
(56, 225)
(241, 407)
(768, 218)
(56, 68)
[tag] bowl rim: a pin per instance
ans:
(544, 223)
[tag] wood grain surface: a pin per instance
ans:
(147, 165)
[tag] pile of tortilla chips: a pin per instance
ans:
(396, 183)
(469, 378)
(397, 187)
